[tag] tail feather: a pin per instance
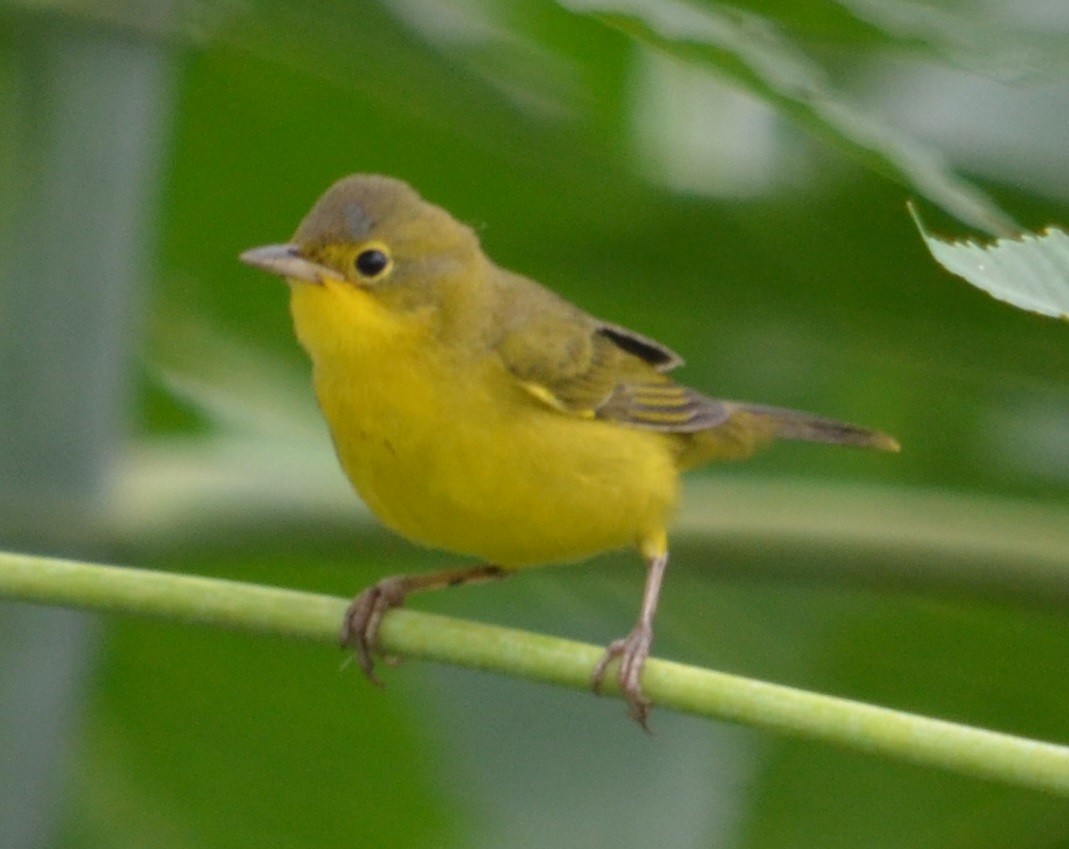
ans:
(794, 424)
(748, 427)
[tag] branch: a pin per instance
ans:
(246, 607)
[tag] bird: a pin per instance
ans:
(478, 412)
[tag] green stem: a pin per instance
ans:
(228, 604)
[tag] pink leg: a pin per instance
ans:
(635, 647)
(363, 618)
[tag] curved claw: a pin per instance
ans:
(632, 651)
(363, 618)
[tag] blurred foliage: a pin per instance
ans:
(590, 162)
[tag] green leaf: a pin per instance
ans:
(1030, 271)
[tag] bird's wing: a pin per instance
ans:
(663, 405)
(592, 369)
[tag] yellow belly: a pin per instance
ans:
(473, 464)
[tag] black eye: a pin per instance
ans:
(372, 262)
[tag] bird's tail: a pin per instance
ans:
(794, 424)
(748, 427)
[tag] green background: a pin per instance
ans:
(808, 286)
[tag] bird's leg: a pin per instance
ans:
(635, 647)
(363, 617)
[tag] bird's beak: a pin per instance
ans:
(286, 261)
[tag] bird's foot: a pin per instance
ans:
(363, 618)
(632, 651)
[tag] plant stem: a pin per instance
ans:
(246, 607)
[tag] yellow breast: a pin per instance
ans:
(448, 450)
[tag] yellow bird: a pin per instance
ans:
(477, 412)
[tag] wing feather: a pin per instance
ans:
(664, 406)
(584, 367)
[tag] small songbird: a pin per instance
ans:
(477, 412)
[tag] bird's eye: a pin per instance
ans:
(372, 262)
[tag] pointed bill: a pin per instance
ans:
(286, 261)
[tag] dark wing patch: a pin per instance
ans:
(663, 406)
(649, 350)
